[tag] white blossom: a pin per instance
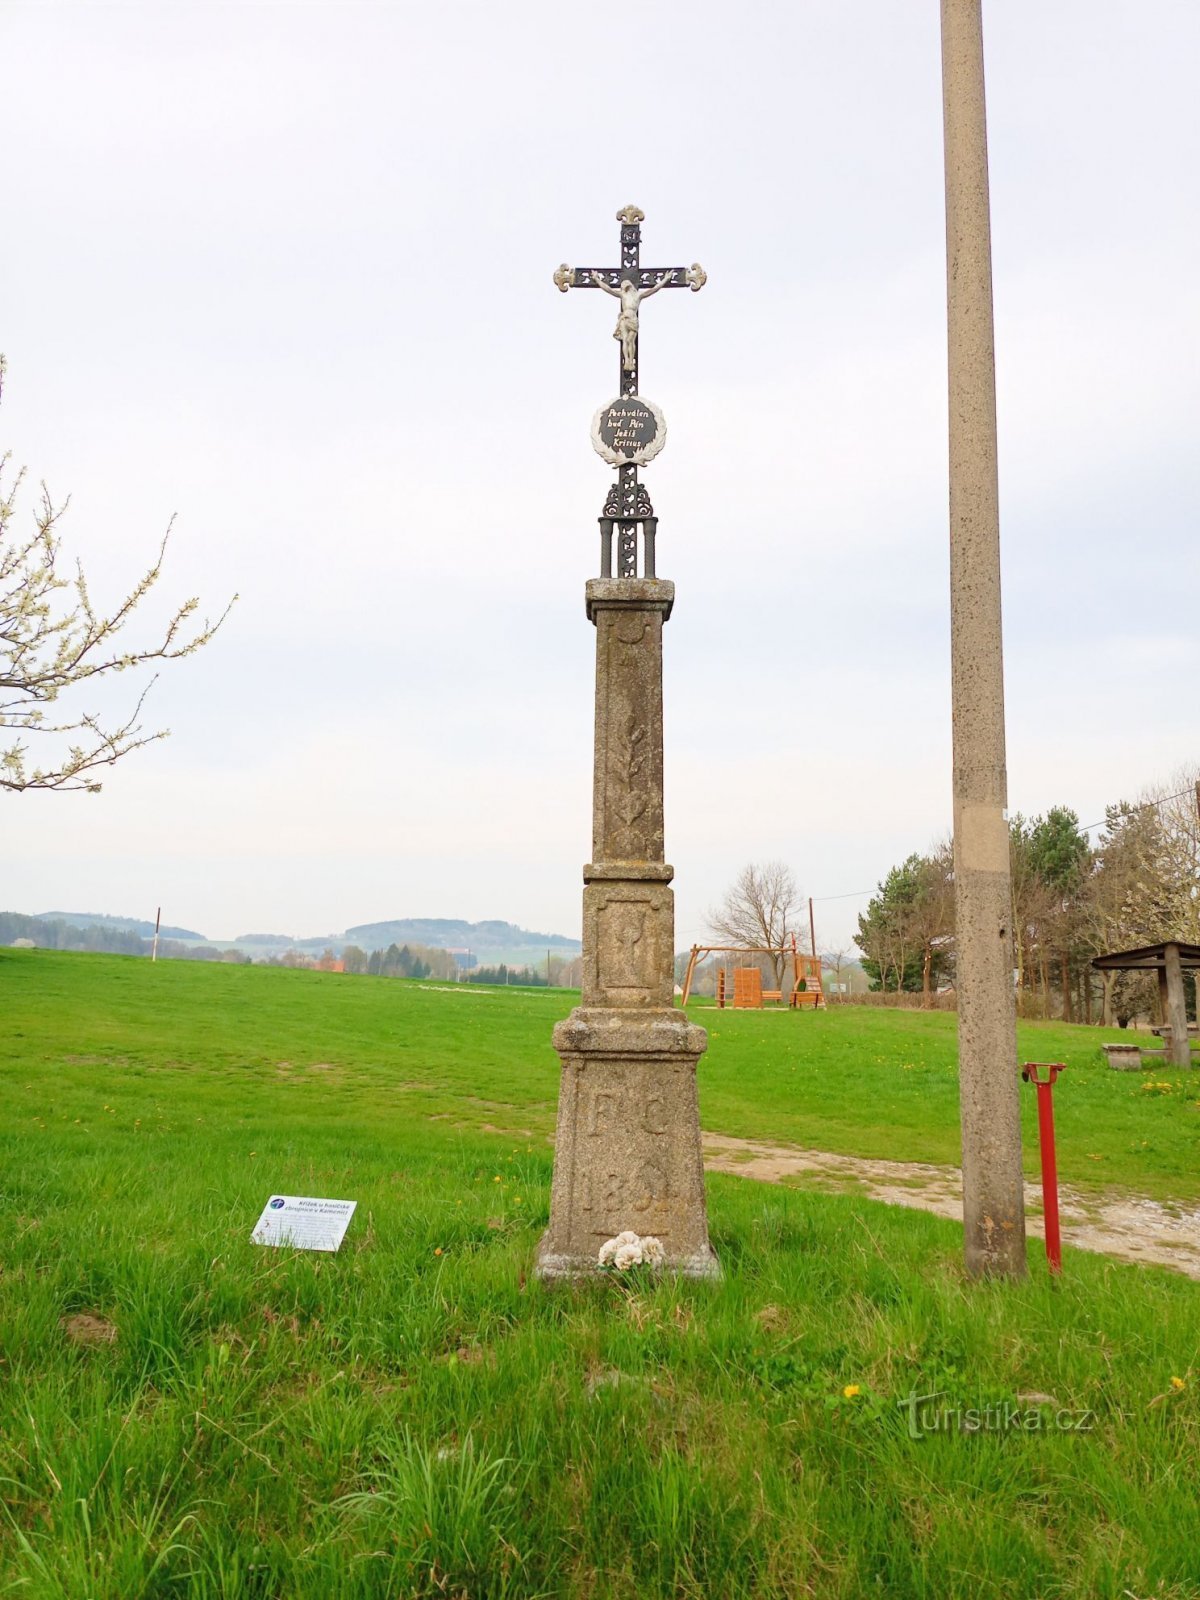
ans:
(629, 1249)
(52, 640)
(653, 1253)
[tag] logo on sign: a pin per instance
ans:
(277, 1204)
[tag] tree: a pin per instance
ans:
(1052, 873)
(1146, 886)
(931, 914)
(1059, 851)
(1179, 815)
(758, 909)
(833, 961)
(354, 960)
(53, 641)
(906, 931)
(1061, 858)
(1032, 900)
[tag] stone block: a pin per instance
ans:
(627, 1147)
(1123, 1057)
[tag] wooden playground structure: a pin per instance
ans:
(742, 987)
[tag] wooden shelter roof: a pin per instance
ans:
(1151, 957)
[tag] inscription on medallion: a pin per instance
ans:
(629, 430)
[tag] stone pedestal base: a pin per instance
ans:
(628, 1141)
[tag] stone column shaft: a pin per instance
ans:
(993, 1202)
(627, 1148)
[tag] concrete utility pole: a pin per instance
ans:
(993, 1196)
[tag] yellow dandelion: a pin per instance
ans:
(850, 1391)
(517, 1200)
(1178, 1383)
(438, 1251)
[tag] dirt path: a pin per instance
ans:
(1128, 1226)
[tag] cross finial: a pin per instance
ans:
(636, 425)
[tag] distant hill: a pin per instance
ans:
(96, 919)
(449, 933)
(489, 941)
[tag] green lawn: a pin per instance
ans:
(417, 1416)
(852, 1080)
(885, 1083)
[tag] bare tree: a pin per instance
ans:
(931, 915)
(833, 961)
(1178, 805)
(53, 640)
(760, 908)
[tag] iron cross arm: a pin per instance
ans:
(630, 283)
(693, 277)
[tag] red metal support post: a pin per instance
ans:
(1045, 1105)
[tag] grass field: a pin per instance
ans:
(417, 1416)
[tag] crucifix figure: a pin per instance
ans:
(631, 283)
(628, 505)
(631, 298)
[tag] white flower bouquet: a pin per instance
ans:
(629, 1249)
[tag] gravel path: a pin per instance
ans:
(1128, 1226)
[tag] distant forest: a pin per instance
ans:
(112, 936)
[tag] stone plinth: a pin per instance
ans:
(627, 1153)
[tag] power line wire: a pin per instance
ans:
(1145, 805)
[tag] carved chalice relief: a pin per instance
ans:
(627, 925)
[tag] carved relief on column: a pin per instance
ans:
(628, 944)
(628, 822)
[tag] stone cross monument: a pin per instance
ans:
(627, 1154)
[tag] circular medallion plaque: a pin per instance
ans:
(629, 431)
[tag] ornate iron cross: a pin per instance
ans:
(628, 504)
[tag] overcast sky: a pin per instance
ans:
(286, 271)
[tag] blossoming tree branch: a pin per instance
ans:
(54, 641)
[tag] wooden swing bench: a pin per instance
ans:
(748, 993)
